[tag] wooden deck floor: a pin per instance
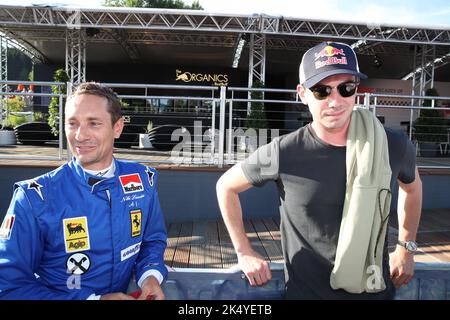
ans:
(433, 236)
(206, 244)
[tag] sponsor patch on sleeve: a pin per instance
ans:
(76, 234)
(33, 185)
(130, 251)
(150, 175)
(7, 226)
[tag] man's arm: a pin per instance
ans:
(408, 210)
(21, 254)
(150, 267)
(230, 184)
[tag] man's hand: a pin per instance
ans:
(151, 290)
(401, 264)
(116, 296)
(255, 268)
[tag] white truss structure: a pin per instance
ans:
(121, 37)
(3, 63)
(160, 19)
(423, 76)
(257, 62)
(76, 55)
(3, 74)
(24, 46)
(129, 26)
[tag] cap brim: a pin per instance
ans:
(319, 77)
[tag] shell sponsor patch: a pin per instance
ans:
(7, 226)
(136, 220)
(131, 183)
(76, 234)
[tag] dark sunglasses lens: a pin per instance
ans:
(347, 89)
(321, 92)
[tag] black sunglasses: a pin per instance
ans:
(345, 89)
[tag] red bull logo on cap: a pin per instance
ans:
(330, 53)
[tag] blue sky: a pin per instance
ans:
(394, 12)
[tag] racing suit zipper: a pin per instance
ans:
(109, 198)
(108, 193)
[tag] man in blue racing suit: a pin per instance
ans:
(80, 231)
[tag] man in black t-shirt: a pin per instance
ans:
(309, 168)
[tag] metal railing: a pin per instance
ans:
(220, 126)
(36, 132)
(168, 113)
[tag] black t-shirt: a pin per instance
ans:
(311, 179)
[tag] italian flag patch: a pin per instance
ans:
(7, 226)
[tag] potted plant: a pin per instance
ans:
(144, 139)
(7, 136)
(430, 128)
(60, 75)
(12, 119)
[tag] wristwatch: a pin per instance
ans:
(411, 246)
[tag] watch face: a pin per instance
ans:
(411, 246)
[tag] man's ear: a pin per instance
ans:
(301, 94)
(118, 127)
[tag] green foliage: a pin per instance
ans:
(38, 116)
(149, 126)
(431, 125)
(15, 104)
(257, 118)
(31, 73)
(124, 3)
(124, 104)
(169, 4)
(196, 5)
(60, 75)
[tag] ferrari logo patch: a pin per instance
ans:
(136, 219)
(76, 234)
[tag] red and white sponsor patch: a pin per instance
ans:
(131, 183)
(7, 226)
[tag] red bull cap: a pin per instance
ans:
(327, 59)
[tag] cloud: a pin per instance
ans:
(362, 11)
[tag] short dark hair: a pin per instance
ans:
(97, 89)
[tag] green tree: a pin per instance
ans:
(60, 75)
(257, 118)
(169, 4)
(430, 126)
(124, 3)
(31, 73)
(15, 104)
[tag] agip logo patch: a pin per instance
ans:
(76, 234)
(136, 220)
(131, 183)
